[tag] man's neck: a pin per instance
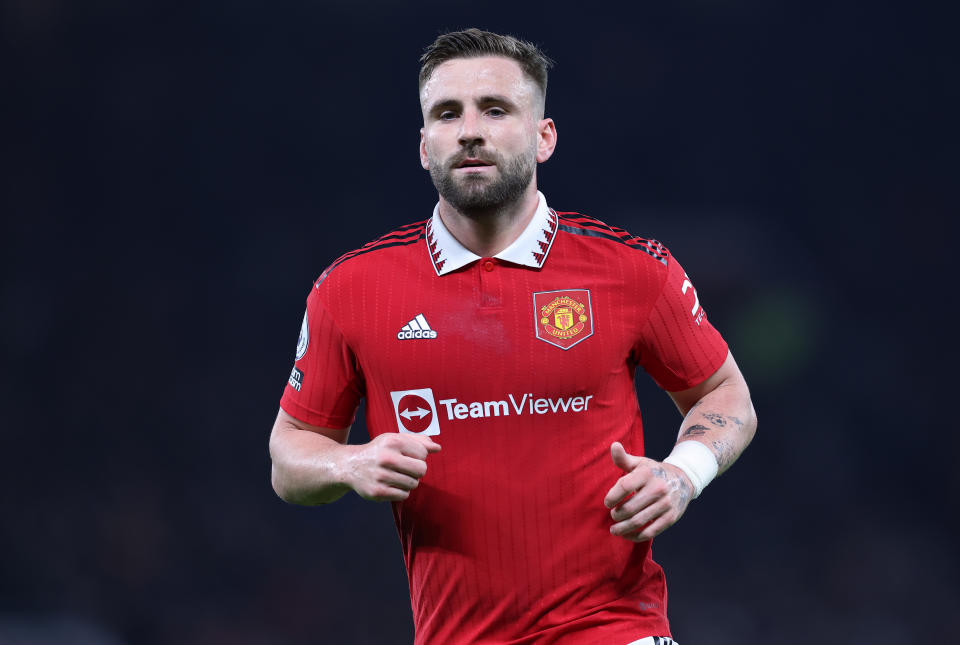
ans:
(493, 232)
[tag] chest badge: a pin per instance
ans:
(563, 318)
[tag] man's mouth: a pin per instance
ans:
(473, 163)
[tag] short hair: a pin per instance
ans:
(473, 43)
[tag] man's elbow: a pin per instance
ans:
(293, 494)
(279, 485)
(279, 479)
(751, 425)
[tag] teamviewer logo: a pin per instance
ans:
(416, 411)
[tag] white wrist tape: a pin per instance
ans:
(695, 459)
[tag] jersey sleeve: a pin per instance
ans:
(326, 383)
(678, 346)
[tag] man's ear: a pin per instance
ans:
(424, 161)
(546, 139)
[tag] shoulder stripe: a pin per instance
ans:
(403, 236)
(587, 226)
(378, 243)
(587, 221)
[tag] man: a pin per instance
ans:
(509, 334)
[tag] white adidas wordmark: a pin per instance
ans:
(416, 328)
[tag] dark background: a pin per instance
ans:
(178, 174)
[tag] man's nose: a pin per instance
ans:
(470, 129)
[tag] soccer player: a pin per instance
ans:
(508, 334)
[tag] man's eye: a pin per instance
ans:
(447, 115)
(496, 112)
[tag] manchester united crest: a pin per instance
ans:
(563, 318)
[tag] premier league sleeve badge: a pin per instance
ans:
(304, 340)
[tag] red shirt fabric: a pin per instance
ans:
(521, 366)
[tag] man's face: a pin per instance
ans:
(481, 136)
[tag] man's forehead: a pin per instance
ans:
(465, 77)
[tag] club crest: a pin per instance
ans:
(563, 318)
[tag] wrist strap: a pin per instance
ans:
(697, 461)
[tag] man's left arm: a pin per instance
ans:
(652, 495)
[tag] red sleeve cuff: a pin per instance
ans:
(314, 418)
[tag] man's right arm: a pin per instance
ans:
(314, 465)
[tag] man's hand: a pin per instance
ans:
(389, 467)
(661, 493)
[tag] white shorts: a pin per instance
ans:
(654, 640)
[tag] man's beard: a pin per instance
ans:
(478, 195)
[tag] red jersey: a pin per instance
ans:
(521, 366)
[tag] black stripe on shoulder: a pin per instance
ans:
(592, 222)
(406, 228)
(587, 220)
(592, 227)
(415, 229)
(403, 236)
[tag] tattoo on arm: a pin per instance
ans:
(695, 430)
(726, 454)
(715, 418)
(722, 421)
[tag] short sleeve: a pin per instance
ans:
(678, 346)
(326, 385)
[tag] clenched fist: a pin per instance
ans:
(389, 467)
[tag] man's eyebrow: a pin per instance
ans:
(444, 104)
(494, 98)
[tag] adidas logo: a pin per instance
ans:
(416, 328)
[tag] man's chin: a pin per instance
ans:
(477, 205)
(475, 190)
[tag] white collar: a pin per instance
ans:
(530, 249)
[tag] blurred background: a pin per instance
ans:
(177, 174)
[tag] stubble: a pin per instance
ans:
(476, 195)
